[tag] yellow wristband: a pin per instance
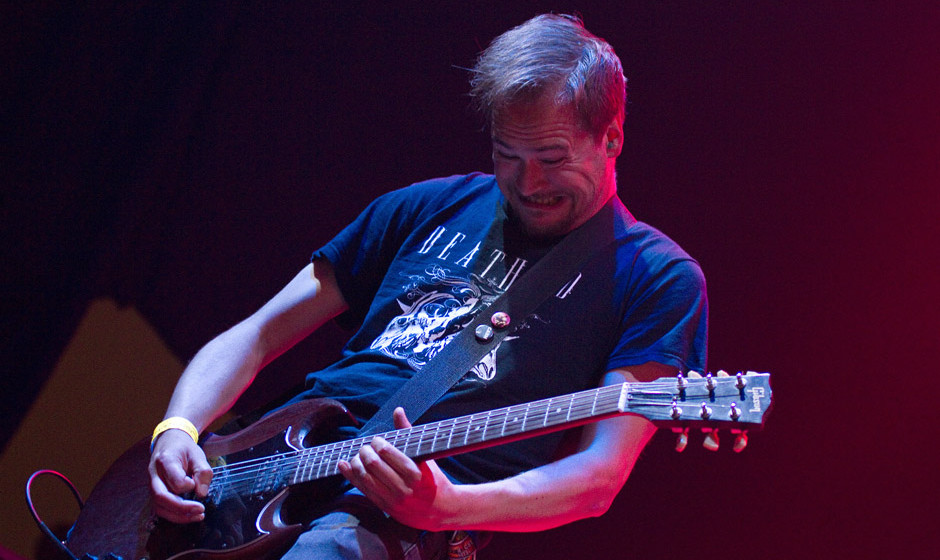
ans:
(175, 422)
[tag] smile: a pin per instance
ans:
(541, 200)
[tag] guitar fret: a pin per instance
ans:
(420, 437)
(323, 455)
(488, 424)
(477, 431)
(450, 433)
(409, 441)
(533, 414)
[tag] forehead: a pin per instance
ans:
(535, 119)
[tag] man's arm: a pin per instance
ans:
(221, 371)
(581, 485)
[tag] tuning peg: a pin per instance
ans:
(694, 375)
(740, 442)
(682, 439)
(681, 383)
(706, 411)
(723, 373)
(741, 383)
(676, 411)
(710, 384)
(711, 440)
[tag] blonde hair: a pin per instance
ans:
(551, 56)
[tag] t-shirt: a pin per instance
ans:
(420, 262)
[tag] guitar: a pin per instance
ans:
(265, 471)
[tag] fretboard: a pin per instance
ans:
(428, 441)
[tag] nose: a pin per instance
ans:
(531, 177)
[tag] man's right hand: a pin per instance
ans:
(178, 467)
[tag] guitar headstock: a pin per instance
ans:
(740, 402)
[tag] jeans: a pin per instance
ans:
(355, 528)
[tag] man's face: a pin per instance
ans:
(554, 174)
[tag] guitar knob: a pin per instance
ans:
(740, 442)
(711, 441)
(682, 439)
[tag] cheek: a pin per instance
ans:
(503, 171)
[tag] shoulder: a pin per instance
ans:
(648, 247)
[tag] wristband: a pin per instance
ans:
(177, 423)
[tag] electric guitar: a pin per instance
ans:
(263, 474)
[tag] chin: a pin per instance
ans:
(540, 230)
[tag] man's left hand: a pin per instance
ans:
(412, 493)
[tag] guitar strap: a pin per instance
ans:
(492, 324)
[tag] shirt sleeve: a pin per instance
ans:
(362, 252)
(666, 317)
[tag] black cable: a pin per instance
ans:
(42, 526)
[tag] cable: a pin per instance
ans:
(32, 510)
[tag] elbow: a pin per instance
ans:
(598, 497)
(599, 502)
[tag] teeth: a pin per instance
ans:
(543, 200)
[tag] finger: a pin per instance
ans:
(170, 469)
(399, 463)
(201, 473)
(179, 511)
(354, 471)
(378, 469)
(202, 477)
(172, 507)
(400, 419)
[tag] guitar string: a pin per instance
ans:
(247, 473)
(416, 435)
(410, 436)
(406, 438)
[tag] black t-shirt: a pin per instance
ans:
(421, 262)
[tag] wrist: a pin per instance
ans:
(458, 505)
(174, 423)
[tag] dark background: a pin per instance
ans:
(186, 160)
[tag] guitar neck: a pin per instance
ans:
(474, 431)
(742, 401)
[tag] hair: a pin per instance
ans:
(554, 57)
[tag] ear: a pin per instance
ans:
(613, 139)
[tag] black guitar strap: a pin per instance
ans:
(491, 325)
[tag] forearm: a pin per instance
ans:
(219, 372)
(576, 487)
(532, 501)
(216, 376)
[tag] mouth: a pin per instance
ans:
(541, 201)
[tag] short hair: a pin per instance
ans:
(551, 56)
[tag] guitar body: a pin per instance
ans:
(118, 516)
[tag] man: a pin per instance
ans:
(419, 263)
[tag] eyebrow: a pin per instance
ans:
(540, 149)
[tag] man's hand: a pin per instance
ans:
(413, 493)
(178, 466)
